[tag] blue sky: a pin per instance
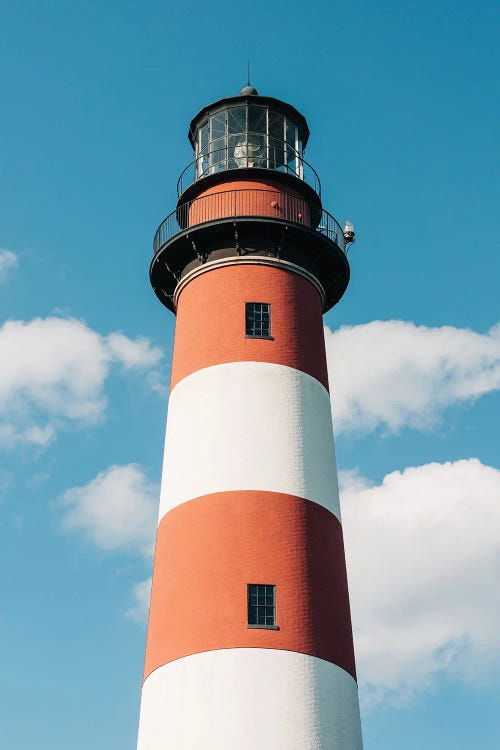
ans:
(402, 102)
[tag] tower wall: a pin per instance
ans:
(250, 197)
(249, 495)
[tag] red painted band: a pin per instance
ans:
(210, 548)
(210, 327)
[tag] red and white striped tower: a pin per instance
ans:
(249, 638)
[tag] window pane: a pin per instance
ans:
(218, 125)
(236, 119)
(276, 126)
(202, 148)
(257, 119)
(291, 154)
(247, 150)
(204, 137)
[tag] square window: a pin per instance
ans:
(258, 319)
(261, 600)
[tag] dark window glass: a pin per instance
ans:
(264, 612)
(276, 140)
(257, 119)
(291, 153)
(258, 319)
(236, 119)
(276, 126)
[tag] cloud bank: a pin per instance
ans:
(54, 372)
(394, 374)
(423, 555)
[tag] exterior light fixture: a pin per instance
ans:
(348, 232)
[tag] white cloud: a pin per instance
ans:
(117, 510)
(396, 374)
(54, 371)
(423, 553)
(132, 353)
(12, 435)
(8, 261)
(141, 593)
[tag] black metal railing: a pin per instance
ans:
(248, 150)
(245, 204)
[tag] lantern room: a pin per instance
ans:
(249, 131)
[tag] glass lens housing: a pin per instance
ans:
(247, 136)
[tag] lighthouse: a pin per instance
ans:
(249, 641)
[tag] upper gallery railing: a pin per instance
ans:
(248, 203)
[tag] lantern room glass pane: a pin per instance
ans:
(218, 125)
(246, 150)
(203, 137)
(257, 119)
(292, 160)
(217, 156)
(276, 125)
(236, 119)
(276, 140)
(202, 148)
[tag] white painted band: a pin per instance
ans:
(243, 699)
(249, 426)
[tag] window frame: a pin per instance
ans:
(267, 336)
(262, 626)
